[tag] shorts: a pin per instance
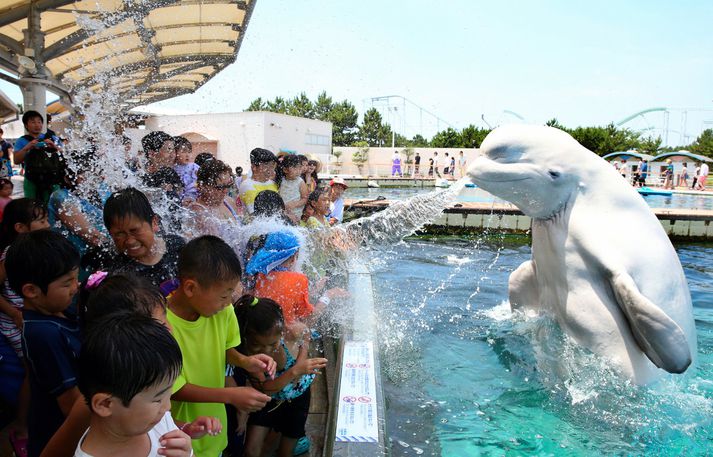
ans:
(284, 416)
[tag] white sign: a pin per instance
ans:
(357, 416)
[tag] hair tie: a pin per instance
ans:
(95, 279)
(254, 302)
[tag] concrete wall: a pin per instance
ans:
(237, 134)
(379, 163)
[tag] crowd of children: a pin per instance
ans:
(124, 333)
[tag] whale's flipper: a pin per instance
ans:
(659, 337)
(522, 287)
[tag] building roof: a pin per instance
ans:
(626, 155)
(682, 154)
(153, 49)
(8, 108)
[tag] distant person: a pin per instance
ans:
(293, 189)
(311, 176)
(643, 173)
(436, 164)
(6, 188)
(446, 168)
(452, 167)
(337, 187)
(683, 176)
(696, 175)
(263, 164)
(431, 163)
(623, 169)
(42, 158)
(186, 168)
(202, 158)
(416, 165)
(703, 177)
(6, 160)
(461, 164)
(668, 175)
(396, 164)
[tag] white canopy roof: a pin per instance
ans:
(153, 49)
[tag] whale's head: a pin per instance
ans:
(536, 168)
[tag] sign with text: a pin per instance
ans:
(357, 416)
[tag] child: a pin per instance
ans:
(42, 266)
(293, 189)
(134, 227)
(185, 167)
(126, 369)
(262, 326)
(21, 216)
(262, 164)
(6, 187)
(272, 264)
(204, 324)
(104, 295)
(337, 187)
(315, 211)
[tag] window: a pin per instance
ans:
(321, 140)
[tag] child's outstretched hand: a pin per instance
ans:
(175, 444)
(247, 399)
(203, 426)
(336, 292)
(261, 364)
(303, 365)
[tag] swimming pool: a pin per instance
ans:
(480, 196)
(462, 379)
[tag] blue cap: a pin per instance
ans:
(278, 247)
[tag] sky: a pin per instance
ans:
(582, 62)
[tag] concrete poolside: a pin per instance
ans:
(464, 218)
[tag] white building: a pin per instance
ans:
(231, 136)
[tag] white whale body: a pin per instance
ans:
(601, 264)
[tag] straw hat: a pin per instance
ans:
(319, 162)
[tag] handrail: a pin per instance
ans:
(356, 425)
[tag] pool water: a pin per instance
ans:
(464, 378)
(474, 195)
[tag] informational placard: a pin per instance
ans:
(357, 417)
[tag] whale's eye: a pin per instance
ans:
(554, 174)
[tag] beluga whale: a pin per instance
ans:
(602, 266)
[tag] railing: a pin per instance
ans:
(356, 424)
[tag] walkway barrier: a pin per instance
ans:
(356, 424)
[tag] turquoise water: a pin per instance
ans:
(462, 377)
(479, 196)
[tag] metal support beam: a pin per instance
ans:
(34, 95)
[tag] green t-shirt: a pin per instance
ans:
(203, 344)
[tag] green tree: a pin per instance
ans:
(343, 117)
(323, 106)
(448, 138)
(472, 136)
(703, 144)
(301, 106)
(256, 105)
(373, 130)
(650, 145)
(418, 141)
(279, 105)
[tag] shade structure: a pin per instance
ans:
(682, 155)
(8, 108)
(626, 155)
(143, 50)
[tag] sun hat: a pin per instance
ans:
(278, 247)
(338, 180)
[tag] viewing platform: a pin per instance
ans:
(467, 218)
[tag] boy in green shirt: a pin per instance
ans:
(201, 315)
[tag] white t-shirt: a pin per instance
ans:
(164, 426)
(704, 169)
(436, 161)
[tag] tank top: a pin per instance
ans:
(290, 191)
